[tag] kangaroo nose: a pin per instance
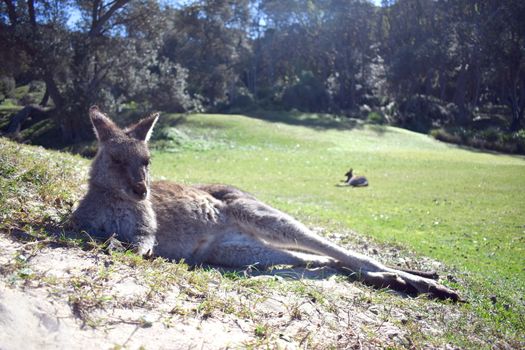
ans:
(140, 189)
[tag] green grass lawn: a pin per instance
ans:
(465, 208)
(461, 207)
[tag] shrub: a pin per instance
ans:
(242, 103)
(7, 88)
(421, 113)
(490, 139)
(519, 139)
(446, 136)
(376, 118)
(490, 134)
(169, 90)
(21, 91)
(308, 95)
(35, 93)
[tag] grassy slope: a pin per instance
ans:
(423, 195)
(38, 188)
(462, 207)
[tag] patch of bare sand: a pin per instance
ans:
(65, 298)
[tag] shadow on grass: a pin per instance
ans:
(65, 236)
(56, 236)
(482, 150)
(380, 130)
(53, 236)
(173, 120)
(312, 120)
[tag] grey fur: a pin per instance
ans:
(208, 224)
(355, 181)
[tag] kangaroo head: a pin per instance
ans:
(122, 162)
(349, 173)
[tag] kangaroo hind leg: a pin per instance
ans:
(281, 231)
(240, 250)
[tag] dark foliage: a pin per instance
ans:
(308, 95)
(420, 64)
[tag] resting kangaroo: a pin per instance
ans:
(208, 224)
(355, 181)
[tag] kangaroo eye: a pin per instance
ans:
(146, 162)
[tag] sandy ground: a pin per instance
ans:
(56, 297)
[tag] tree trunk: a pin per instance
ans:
(11, 11)
(517, 115)
(73, 127)
(45, 98)
(442, 84)
(517, 104)
(459, 96)
(18, 119)
(52, 90)
(477, 90)
(428, 82)
(68, 131)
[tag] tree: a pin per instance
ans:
(504, 48)
(109, 57)
(330, 42)
(209, 38)
(459, 59)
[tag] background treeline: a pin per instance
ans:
(452, 68)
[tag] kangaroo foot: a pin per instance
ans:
(403, 281)
(409, 283)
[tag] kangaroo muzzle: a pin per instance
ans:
(140, 189)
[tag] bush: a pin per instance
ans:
(447, 136)
(490, 139)
(490, 134)
(308, 95)
(21, 91)
(7, 88)
(520, 135)
(242, 103)
(519, 139)
(35, 92)
(421, 113)
(376, 118)
(169, 91)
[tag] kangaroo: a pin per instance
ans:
(355, 181)
(218, 225)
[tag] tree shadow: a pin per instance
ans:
(482, 150)
(54, 236)
(60, 237)
(380, 130)
(278, 272)
(297, 273)
(317, 121)
(57, 236)
(173, 121)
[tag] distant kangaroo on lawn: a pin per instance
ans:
(208, 224)
(355, 181)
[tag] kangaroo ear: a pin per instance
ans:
(144, 128)
(103, 126)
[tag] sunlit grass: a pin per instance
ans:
(462, 207)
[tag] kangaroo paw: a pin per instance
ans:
(409, 283)
(144, 248)
(430, 287)
(441, 292)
